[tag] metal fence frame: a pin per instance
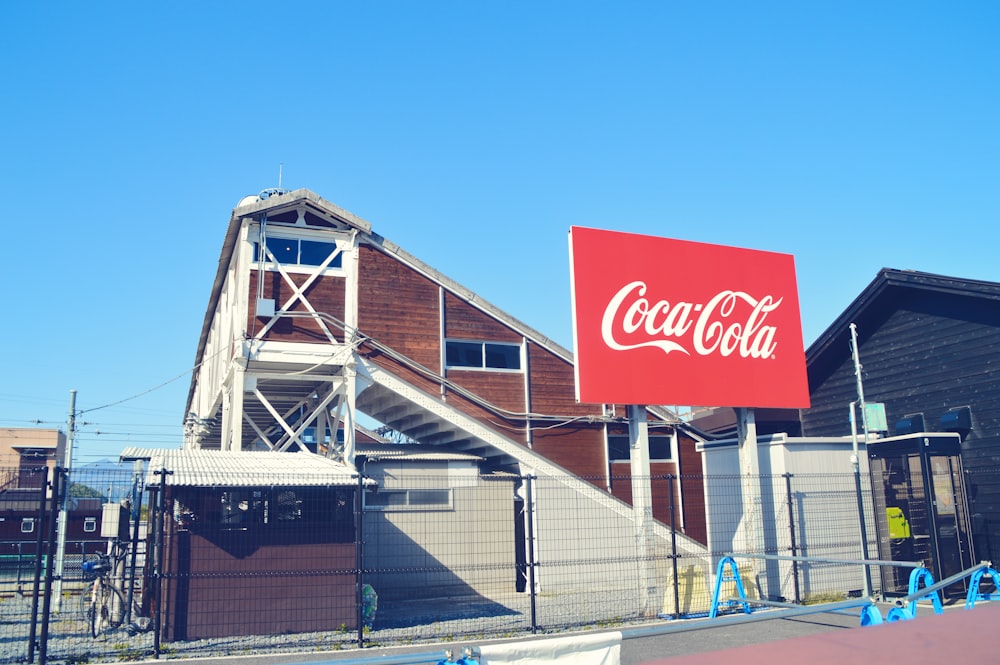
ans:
(576, 566)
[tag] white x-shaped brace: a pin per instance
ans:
(291, 436)
(298, 293)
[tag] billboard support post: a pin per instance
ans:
(750, 471)
(642, 507)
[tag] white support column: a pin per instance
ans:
(227, 414)
(350, 264)
(236, 407)
(350, 369)
(321, 424)
(642, 508)
(749, 455)
(350, 409)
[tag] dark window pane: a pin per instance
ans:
(618, 448)
(503, 356)
(384, 499)
(428, 497)
(464, 354)
(284, 250)
(659, 447)
(314, 253)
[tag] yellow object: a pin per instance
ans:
(694, 589)
(898, 526)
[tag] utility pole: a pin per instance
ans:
(855, 460)
(64, 508)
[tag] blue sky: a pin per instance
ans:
(853, 135)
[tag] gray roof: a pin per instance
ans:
(216, 468)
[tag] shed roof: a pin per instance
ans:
(216, 468)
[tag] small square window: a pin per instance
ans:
(28, 525)
(284, 250)
(315, 253)
(89, 524)
(464, 354)
(503, 356)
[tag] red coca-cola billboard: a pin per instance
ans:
(662, 321)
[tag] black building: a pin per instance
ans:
(929, 347)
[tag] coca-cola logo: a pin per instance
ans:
(730, 322)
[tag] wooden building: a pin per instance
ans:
(314, 319)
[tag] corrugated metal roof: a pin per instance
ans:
(215, 468)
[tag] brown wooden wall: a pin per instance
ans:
(504, 392)
(325, 294)
(256, 587)
(464, 321)
(553, 386)
(577, 448)
(399, 308)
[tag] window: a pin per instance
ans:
(660, 448)
(429, 499)
(298, 251)
(482, 355)
(27, 525)
(89, 524)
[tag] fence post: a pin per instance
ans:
(136, 513)
(791, 534)
(58, 487)
(159, 519)
(529, 507)
(36, 579)
(359, 555)
(673, 547)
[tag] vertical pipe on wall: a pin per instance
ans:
(525, 364)
(442, 331)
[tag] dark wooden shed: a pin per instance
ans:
(254, 543)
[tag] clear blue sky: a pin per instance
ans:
(853, 135)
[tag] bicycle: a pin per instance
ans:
(103, 602)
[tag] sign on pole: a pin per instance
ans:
(662, 321)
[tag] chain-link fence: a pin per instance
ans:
(236, 568)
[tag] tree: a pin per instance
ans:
(81, 491)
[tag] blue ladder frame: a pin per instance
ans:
(734, 576)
